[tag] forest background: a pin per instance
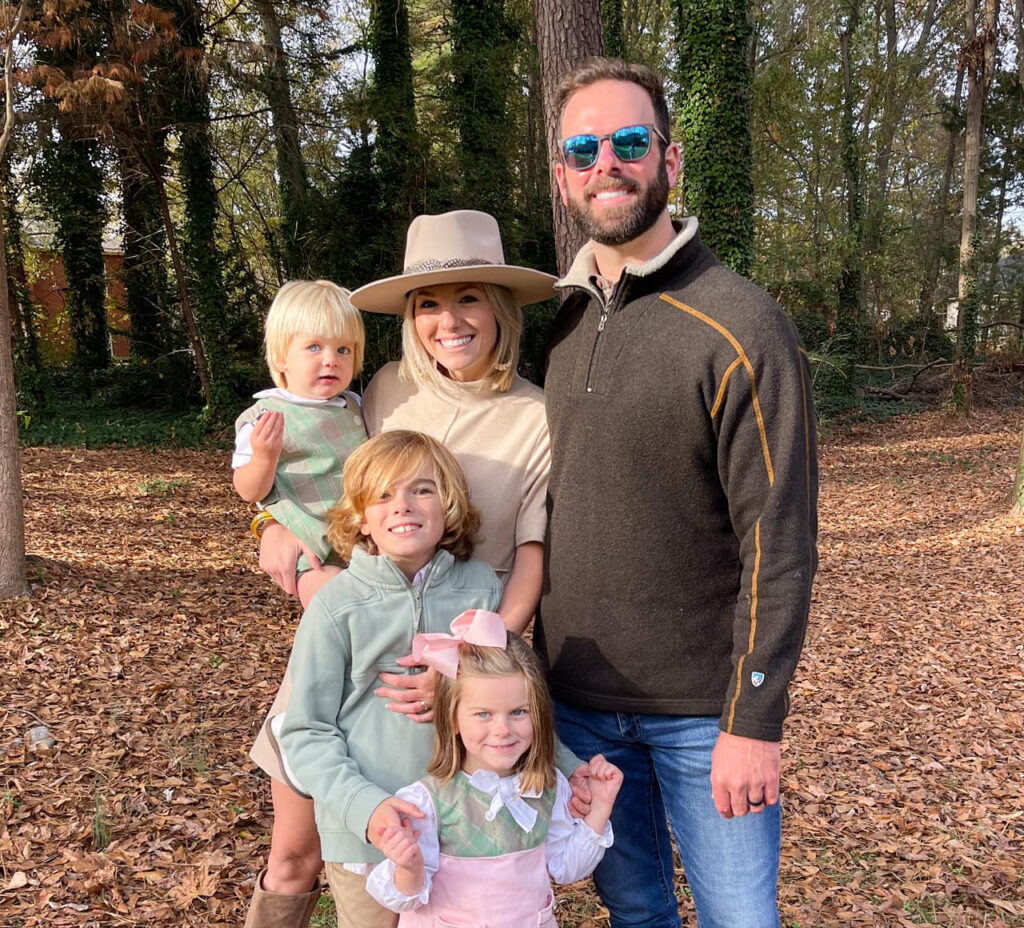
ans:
(861, 161)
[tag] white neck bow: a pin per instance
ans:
(507, 792)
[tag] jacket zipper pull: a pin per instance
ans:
(602, 320)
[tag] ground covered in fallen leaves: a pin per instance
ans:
(151, 646)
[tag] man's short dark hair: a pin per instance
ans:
(613, 69)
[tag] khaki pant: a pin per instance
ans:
(356, 907)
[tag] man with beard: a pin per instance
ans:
(681, 538)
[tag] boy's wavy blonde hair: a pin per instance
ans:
(537, 766)
(311, 307)
(377, 465)
(418, 367)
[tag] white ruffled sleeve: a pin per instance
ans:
(381, 882)
(573, 847)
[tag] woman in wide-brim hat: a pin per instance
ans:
(457, 382)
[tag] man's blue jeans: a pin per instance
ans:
(732, 865)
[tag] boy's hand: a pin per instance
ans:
(399, 844)
(605, 781)
(386, 816)
(267, 436)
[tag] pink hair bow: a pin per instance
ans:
(474, 626)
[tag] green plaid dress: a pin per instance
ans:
(307, 483)
(462, 826)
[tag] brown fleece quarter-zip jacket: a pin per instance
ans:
(683, 497)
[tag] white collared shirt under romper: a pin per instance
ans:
(490, 853)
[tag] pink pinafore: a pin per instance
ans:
(492, 874)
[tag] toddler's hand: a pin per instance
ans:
(386, 816)
(268, 434)
(399, 845)
(605, 780)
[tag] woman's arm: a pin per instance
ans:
(522, 592)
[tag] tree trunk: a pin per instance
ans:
(979, 51)
(714, 111)
(30, 378)
(202, 257)
(1018, 486)
(292, 176)
(398, 147)
(145, 246)
(481, 71)
(568, 32)
(937, 237)
(612, 21)
(12, 514)
(852, 274)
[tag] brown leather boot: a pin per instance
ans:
(280, 910)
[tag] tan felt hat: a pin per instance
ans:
(460, 246)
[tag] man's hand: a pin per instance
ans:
(744, 774)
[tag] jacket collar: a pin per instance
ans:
(380, 570)
(583, 269)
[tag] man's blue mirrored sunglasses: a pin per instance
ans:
(630, 143)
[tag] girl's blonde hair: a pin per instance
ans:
(418, 367)
(537, 766)
(378, 464)
(311, 307)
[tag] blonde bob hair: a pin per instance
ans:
(311, 307)
(537, 766)
(379, 464)
(418, 367)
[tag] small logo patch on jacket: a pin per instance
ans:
(757, 678)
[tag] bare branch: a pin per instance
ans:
(11, 34)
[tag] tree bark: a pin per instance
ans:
(292, 176)
(481, 72)
(937, 236)
(980, 53)
(714, 113)
(12, 514)
(852, 274)
(202, 258)
(568, 32)
(1018, 485)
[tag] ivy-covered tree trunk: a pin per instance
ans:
(980, 53)
(612, 23)
(481, 71)
(292, 176)
(852, 274)
(714, 113)
(201, 255)
(30, 380)
(145, 271)
(398, 146)
(568, 32)
(70, 181)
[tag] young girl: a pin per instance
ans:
(495, 811)
(290, 446)
(405, 526)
